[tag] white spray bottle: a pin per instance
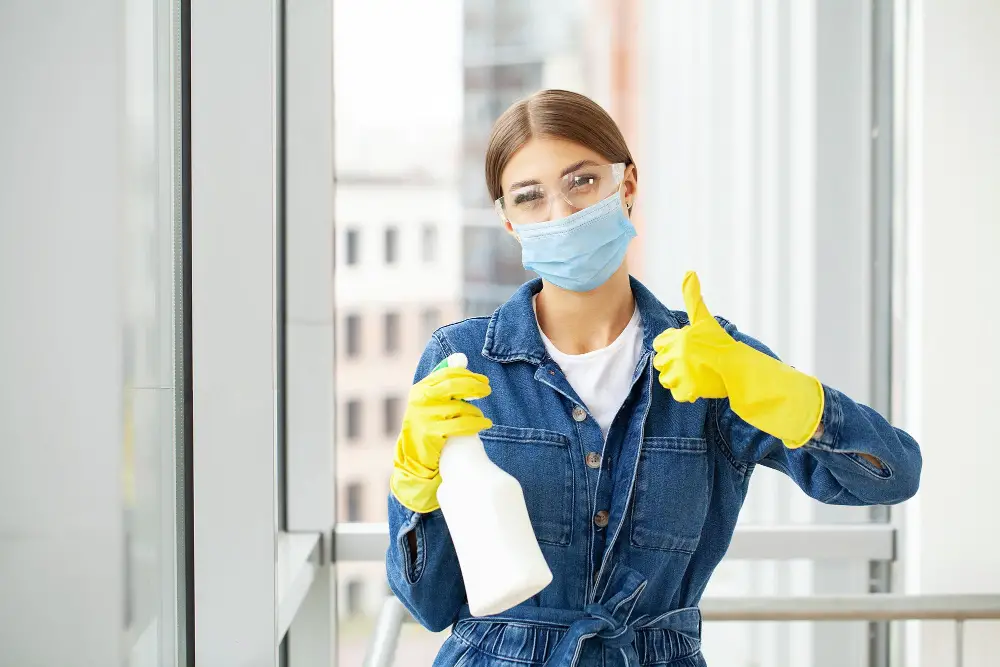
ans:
(484, 507)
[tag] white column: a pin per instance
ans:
(309, 263)
(233, 63)
(309, 302)
(952, 358)
(62, 125)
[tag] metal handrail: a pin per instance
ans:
(872, 607)
(865, 607)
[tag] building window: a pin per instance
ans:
(352, 342)
(430, 320)
(391, 245)
(428, 243)
(492, 257)
(355, 502)
(352, 419)
(355, 597)
(391, 333)
(352, 247)
(392, 412)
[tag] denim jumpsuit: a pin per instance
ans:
(671, 477)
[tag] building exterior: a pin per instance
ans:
(510, 49)
(397, 279)
(419, 245)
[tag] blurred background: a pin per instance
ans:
(227, 231)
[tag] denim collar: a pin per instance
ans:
(512, 334)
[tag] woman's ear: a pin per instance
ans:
(631, 184)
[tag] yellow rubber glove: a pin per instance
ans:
(701, 360)
(437, 410)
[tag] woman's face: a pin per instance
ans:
(546, 161)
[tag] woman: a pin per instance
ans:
(633, 429)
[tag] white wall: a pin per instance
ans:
(953, 236)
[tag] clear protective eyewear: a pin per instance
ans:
(531, 202)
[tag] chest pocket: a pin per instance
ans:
(671, 494)
(541, 463)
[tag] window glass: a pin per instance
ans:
(393, 413)
(355, 501)
(352, 335)
(390, 333)
(391, 245)
(422, 171)
(428, 243)
(352, 249)
(152, 360)
(352, 420)
(430, 320)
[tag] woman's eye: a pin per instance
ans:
(584, 181)
(528, 197)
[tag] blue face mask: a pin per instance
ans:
(579, 252)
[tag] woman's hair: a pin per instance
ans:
(552, 113)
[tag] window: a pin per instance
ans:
(492, 257)
(352, 419)
(428, 243)
(352, 325)
(391, 333)
(391, 245)
(355, 501)
(355, 597)
(393, 414)
(352, 249)
(430, 320)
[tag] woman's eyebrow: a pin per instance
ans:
(570, 169)
(576, 165)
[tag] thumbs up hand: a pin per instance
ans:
(702, 360)
(687, 358)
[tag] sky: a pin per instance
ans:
(397, 83)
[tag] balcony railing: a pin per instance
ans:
(876, 607)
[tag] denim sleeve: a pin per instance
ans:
(829, 467)
(428, 581)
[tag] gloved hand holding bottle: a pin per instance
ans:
(701, 360)
(437, 410)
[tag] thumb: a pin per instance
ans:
(696, 308)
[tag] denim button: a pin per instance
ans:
(593, 460)
(579, 414)
(601, 519)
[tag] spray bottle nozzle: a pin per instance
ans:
(457, 360)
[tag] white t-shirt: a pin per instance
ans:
(603, 378)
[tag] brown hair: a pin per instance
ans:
(552, 113)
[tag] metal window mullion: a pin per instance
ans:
(882, 100)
